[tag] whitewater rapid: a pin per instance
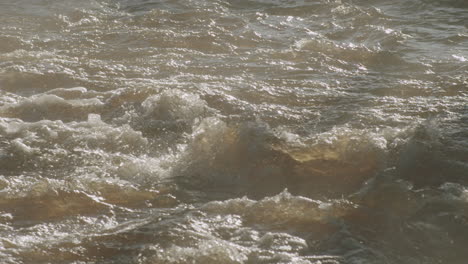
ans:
(247, 131)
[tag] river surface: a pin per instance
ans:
(234, 131)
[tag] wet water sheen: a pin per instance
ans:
(222, 131)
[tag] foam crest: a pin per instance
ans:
(251, 157)
(51, 107)
(345, 54)
(228, 238)
(174, 105)
(207, 252)
(54, 144)
(282, 210)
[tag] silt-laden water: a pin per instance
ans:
(222, 131)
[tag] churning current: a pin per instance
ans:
(233, 131)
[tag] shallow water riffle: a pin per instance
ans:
(233, 131)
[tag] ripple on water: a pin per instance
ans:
(233, 131)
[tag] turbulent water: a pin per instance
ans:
(233, 131)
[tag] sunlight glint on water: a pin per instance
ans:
(226, 131)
